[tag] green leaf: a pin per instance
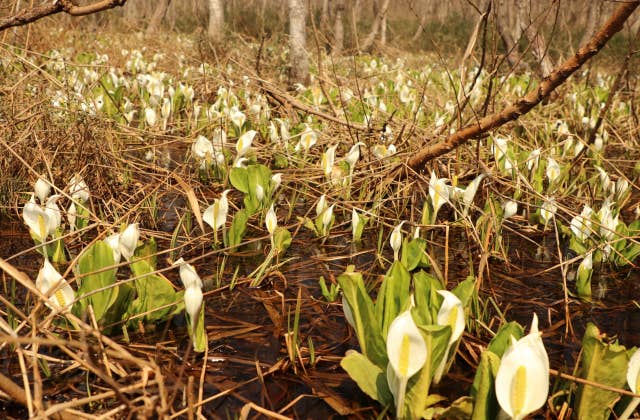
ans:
(460, 409)
(417, 397)
(93, 270)
(369, 377)
(425, 287)
(367, 328)
(602, 363)
(154, 292)
(464, 290)
(281, 240)
(414, 254)
(483, 390)
(200, 340)
(583, 282)
(238, 229)
(239, 178)
(394, 295)
(501, 341)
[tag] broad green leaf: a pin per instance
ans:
(460, 409)
(367, 328)
(414, 254)
(200, 340)
(281, 239)
(154, 292)
(93, 270)
(483, 390)
(394, 295)
(501, 341)
(370, 378)
(425, 295)
(464, 290)
(238, 229)
(239, 178)
(437, 338)
(602, 363)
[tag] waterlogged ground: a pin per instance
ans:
(103, 112)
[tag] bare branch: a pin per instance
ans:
(27, 16)
(525, 104)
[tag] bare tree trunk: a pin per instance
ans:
(377, 23)
(158, 15)
(355, 9)
(216, 20)
(536, 40)
(324, 15)
(593, 21)
(338, 28)
(299, 70)
(383, 30)
(502, 25)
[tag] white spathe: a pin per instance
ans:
(192, 292)
(407, 353)
(36, 219)
(271, 221)
(522, 381)
(395, 240)
(128, 241)
(48, 280)
(451, 313)
(42, 189)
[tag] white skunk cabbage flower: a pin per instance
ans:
(451, 313)
(277, 180)
(308, 139)
(439, 192)
(238, 117)
(128, 241)
(395, 240)
(114, 242)
(355, 222)
(353, 155)
(510, 208)
(202, 148)
(407, 352)
(216, 214)
(581, 224)
(192, 293)
(522, 382)
(42, 189)
(548, 210)
(78, 189)
(259, 192)
(150, 117)
(328, 159)
(321, 206)
(48, 280)
(326, 219)
(470, 193)
(271, 221)
(553, 170)
(633, 372)
(36, 219)
(243, 145)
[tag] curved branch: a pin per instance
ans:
(51, 8)
(520, 107)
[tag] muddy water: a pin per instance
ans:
(246, 326)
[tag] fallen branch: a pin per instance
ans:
(512, 112)
(57, 6)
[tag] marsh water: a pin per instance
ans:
(246, 326)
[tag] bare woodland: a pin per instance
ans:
(306, 60)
